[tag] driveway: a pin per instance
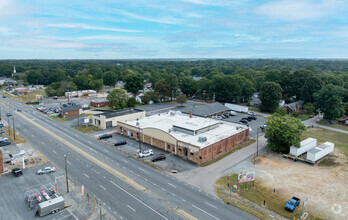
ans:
(204, 178)
(313, 122)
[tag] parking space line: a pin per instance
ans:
(171, 185)
(68, 162)
(86, 175)
(54, 152)
(102, 187)
(131, 208)
(73, 215)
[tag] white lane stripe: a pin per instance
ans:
(95, 171)
(171, 185)
(210, 205)
(143, 170)
(138, 200)
(206, 212)
(42, 142)
(102, 187)
(69, 162)
(131, 208)
(125, 160)
(54, 152)
(73, 215)
(86, 175)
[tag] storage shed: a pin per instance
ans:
(305, 146)
(320, 151)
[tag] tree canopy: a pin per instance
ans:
(117, 99)
(270, 95)
(330, 101)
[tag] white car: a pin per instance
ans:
(146, 153)
(251, 113)
(46, 170)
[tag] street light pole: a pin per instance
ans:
(257, 142)
(139, 140)
(14, 129)
(100, 207)
(66, 175)
(9, 127)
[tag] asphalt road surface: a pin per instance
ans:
(126, 188)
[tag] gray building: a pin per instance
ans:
(207, 110)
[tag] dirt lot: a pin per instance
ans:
(325, 187)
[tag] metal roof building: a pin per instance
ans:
(207, 110)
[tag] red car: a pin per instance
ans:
(311, 116)
(158, 157)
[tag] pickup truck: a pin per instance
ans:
(292, 204)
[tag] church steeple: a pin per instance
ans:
(14, 70)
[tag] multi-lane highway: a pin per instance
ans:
(126, 188)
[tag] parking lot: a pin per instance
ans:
(172, 162)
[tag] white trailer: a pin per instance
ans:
(305, 146)
(320, 151)
(51, 206)
(237, 108)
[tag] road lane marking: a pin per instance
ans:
(102, 188)
(185, 215)
(171, 185)
(143, 170)
(210, 205)
(42, 143)
(95, 171)
(206, 212)
(131, 208)
(88, 156)
(138, 200)
(54, 152)
(86, 175)
(125, 160)
(69, 162)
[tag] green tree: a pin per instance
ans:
(162, 88)
(117, 99)
(270, 95)
(298, 78)
(309, 108)
(181, 99)
(110, 78)
(131, 102)
(329, 100)
(146, 98)
(153, 96)
(173, 84)
(134, 83)
(188, 85)
(281, 111)
(283, 132)
(311, 85)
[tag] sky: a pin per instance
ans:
(136, 29)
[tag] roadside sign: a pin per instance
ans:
(228, 178)
(2, 131)
(1, 125)
(82, 190)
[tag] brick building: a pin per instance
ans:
(195, 138)
(111, 118)
(100, 103)
(70, 111)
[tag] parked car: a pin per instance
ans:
(292, 204)
(222, 116)
(46, 170)
(19, 110)
(105, 136)
(17, 172)
(5, 142)
(232, 113)
(8, 114)
(252, 117)
(4, 96)
(251, 113)
(243, 121)
(118, 143)
(311, 116)
(146, 153)
(158, 157)
(263, 127)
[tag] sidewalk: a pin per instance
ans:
(204, 178)
(313, 122)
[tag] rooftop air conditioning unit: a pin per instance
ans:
(138, 124)
(202, 139)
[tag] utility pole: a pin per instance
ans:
(139, 139)
(14, 130)
(9, 127)
(66, 175)
(100, 211)
(257, 142)
(214, 97)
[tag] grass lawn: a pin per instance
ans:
(19, 138)
(322, 135)
(242, 145)
(59, 119)
(84, 129)
(29, 97)
(259, 194)
(338, 126)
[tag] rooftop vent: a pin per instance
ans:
(202, 139)
(137, 124)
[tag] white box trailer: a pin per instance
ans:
(305, 146)
(237, 108)
(320, 151)
(51, 206)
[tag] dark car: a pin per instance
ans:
(252, 117)
(243, 121)
(19, 110)
(104, 136)
(118, 143)
(8, 114)
(17, 172)
(158, 157)
(4, 96)
(5, 142)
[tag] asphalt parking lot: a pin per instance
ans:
(172, 162)
(12, 191)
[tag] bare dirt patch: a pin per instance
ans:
(325, 187)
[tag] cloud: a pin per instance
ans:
(89, 27)
(208, 2)
(163, 20)
(292, 10)
(120, 38)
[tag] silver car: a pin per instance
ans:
(46, 170)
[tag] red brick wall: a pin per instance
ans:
(100, 104)
(1, 163)
(70, 113)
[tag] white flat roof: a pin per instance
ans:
(166, 121)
